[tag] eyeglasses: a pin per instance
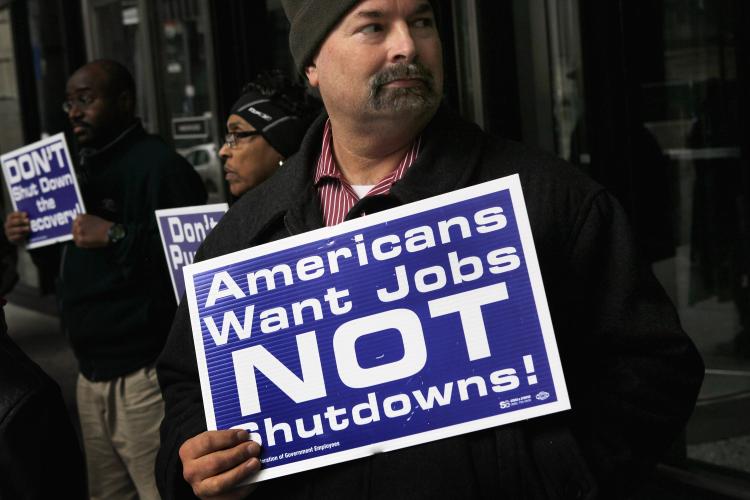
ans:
(231, 138)
(82, 101)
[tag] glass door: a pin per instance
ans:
(664, 92)
(651, 98)
(693, 112)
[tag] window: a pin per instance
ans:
(116, 29)
(11, 134)
(167, 46)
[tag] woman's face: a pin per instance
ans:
(251, 161)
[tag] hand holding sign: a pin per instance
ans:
(215, 462)
(17, 227)
(90, 231)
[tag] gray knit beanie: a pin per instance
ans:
(311, 21)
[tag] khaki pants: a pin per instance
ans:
(120, 424)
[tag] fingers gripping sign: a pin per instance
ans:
(17, 227)
(214, 463)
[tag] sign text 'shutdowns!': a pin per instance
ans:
(42, 182)
(406, 326)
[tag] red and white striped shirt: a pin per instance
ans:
(336, 195)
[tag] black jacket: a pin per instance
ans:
(39, 452)
(632, 373)
(117, 302)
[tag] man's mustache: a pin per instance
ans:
(78, 123)
(412, 71)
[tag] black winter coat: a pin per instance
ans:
(40, 457)
(117, 302)
(632, 373)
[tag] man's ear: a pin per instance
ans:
(126, 102)
(311, 72)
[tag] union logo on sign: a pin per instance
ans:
(541, 396)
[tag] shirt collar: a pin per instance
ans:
(327, 167)
(326, 164)
(86, 152)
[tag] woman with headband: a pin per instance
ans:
(265, 127)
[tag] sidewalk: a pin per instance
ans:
(716, 434)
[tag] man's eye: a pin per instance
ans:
(426, 22)
(85, 99)
(371, 28)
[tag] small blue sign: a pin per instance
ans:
(182, 231)
(406, 326)
(42, 182)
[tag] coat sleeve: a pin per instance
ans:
(183, 405)
(633, 374)
(177, 369)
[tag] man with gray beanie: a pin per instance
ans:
(385, 140)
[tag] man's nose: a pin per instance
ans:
(402, 45)
(75, 111)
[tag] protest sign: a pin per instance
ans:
(410, 325)
(182, 231)
(42, 182)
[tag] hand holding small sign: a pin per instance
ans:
(17, 227)
(90, 231)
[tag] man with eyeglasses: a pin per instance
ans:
(386, 140)
(114, 292)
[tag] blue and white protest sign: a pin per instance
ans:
(42, 182)
(182, 231)
(406, 326)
